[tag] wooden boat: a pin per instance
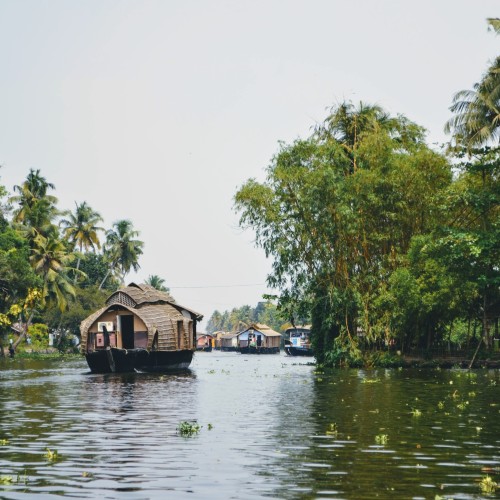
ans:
(139, 329)
(298, 343)
(259, 339)
(204, 343)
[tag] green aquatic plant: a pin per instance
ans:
(381, 439)
(332, 429)
(188, 428)
(4, 442)
(370, 380)
(441, 405)
(462, 405)
(6, 480)
(416, 413)
(52, 456)
(487, 484)
(210, 427)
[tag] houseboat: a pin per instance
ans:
(139, 328)
(229, 341)
(204, 342)
(299, 341)
(259, 339)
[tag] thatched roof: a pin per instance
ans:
(156, 309)
(264, 329)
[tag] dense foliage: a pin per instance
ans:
(380, 239)
(53, 269)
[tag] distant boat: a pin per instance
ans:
(299, 341)
(259, 339)
(204, 343)
(139, 329)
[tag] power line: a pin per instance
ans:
(219, 286)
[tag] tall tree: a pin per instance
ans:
(337, 213)
(476, 120)
(36, 208)
(122, 250)
(52, 261)
(81, 228)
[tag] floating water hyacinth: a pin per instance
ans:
(381, 439)
(487, 484)
(188, 428)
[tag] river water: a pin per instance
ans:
(271, 427)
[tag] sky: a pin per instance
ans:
(158, 111)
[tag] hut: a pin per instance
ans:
(259, 339)
(229, 341)
(139, 328)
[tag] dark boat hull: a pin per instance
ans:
(111, 360)
(259, 350)
(298, 351)
(163, 361)
(116, 360)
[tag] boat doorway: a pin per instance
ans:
(127, 327)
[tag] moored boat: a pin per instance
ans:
(298, 342)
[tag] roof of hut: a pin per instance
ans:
(136, 296)
(264, 329)
(156, 309)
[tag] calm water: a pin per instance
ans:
(271, 427)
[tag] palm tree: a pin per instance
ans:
(122, 250)
(156, 282)
(51, 260)
(477, 112)
(81, 229)
(347, 124)
(36, 208)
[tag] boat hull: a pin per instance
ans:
(111, 360)
(298, 351)
(114, 360)
(163, 361)
(259, 350)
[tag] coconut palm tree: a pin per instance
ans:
(36, 209)
(81, 229)
(51, 260)
(122, 251)
(156, 282)
(476, 122)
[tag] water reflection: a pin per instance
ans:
(271, 427)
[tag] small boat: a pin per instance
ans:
(299, 343)
(139, 329)
(204, 342)
(259, 339)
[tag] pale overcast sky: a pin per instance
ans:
(157, 111)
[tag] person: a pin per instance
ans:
(11, 349)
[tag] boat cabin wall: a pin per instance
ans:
(125, 331)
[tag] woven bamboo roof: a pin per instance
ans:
(264, 329)
(156, 309)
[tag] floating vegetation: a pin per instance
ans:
(188, 428)
(6, 480)
(487, 484)
(416, 413)
(463, 405)
(52, 456)
(210, 427)
(332, 429)
(4, 442)
(441, 405)
(370, 380)
(87, 474)
(381, 439)
(211, 372)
